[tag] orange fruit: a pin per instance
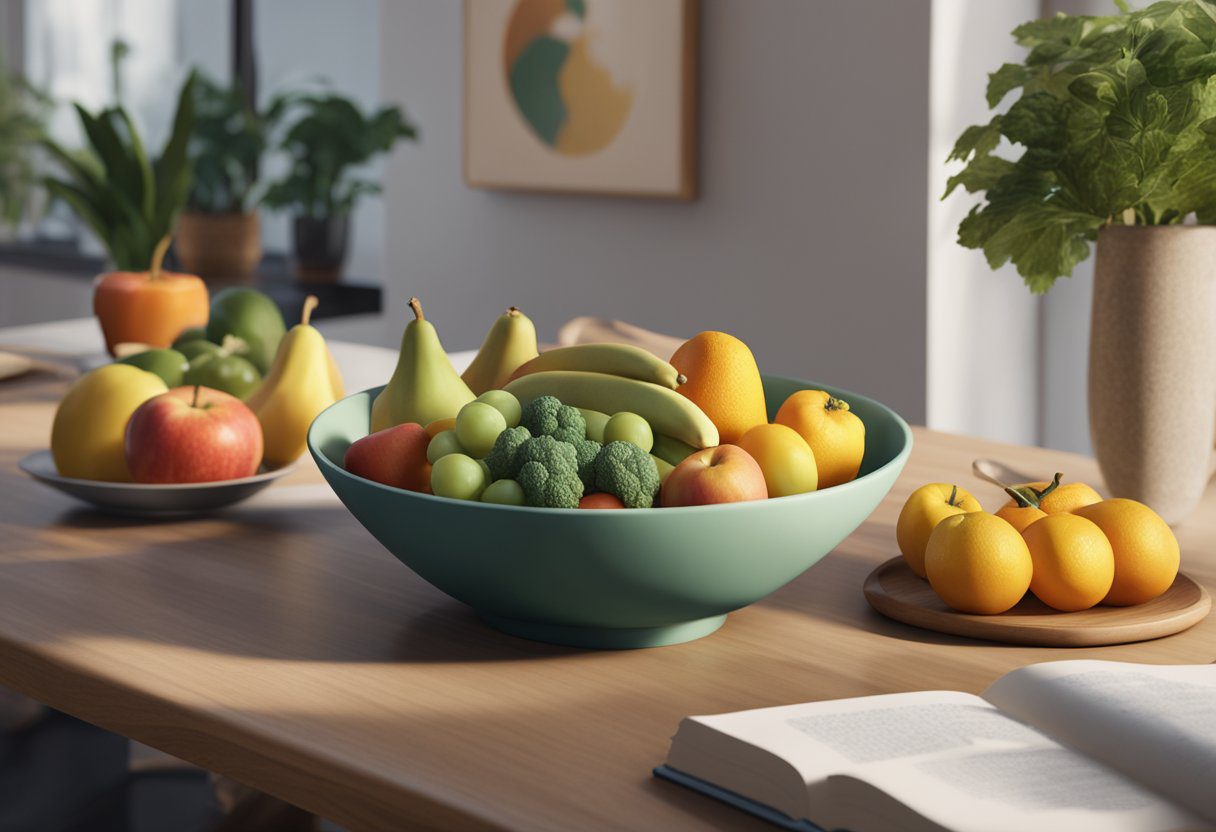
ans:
(1073, 562)
(1145, 549)
(836, 436)
(440, 425)
(724, 381)
(926, 507)
(1065, 497)
(977, 563)
(1020, 516)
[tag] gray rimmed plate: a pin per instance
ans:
(140, 500)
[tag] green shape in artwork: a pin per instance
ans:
(578, 8)
(534, 86)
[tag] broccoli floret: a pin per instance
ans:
(548, 473)
(627, 472)
(503, 459)
(585, 451)
(546, 416)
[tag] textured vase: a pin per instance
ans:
(220, 248)
(1152, 364)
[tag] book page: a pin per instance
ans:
(952, 759)
(1157, 724)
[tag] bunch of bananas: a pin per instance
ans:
(611, 378)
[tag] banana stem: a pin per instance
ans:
(416, 305)
(158, 257)
(310, 303)
(681, 379)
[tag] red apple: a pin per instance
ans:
(193, 434)
(394, 456)
(725, 474)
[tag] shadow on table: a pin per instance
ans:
(276, 597)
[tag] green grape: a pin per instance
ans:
(503, 492)
(504, 403)
(595, 424)
(457, 476)
(442, 444)
(629, 427)
(477, 426)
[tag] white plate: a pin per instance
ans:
(143, 500)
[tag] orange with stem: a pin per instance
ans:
(151, 307)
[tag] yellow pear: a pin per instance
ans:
(91, 422)
(303, 381)
(510, 343)
(424, 386)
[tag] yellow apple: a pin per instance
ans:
(87, 435)
(784, 457)
(926, 507)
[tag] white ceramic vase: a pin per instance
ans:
(1152, 364)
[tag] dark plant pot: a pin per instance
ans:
(220, 248)
(320, 247)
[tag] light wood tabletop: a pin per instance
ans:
(279, 644)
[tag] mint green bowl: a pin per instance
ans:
(612, 579)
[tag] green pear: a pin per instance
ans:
(425, 385)
(510, 343)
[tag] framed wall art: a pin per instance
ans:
(591, 96)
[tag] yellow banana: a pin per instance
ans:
(612, 359)
(666, 410)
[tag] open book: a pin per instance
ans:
(1070, 745)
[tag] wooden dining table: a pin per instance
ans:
(279, 644)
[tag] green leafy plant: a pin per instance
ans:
(1116, 122)
(22, 118)
(129, 200)
(330, 137)
(226, 145)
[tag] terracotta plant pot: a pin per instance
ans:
(320, 247)
(220, 248)
(1152, 364)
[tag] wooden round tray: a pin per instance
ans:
(897, 592)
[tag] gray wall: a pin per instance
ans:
(808, 241)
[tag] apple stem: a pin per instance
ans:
(416, 305)
(158, 257)
(1021, 499)
(194, 400)
(1027, 496)
(953, 496)
(310, 303)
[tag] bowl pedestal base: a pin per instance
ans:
(606, 638)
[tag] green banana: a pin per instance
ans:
(666, 410)
(623, 360)
(670, 450)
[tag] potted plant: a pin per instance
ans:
(128, 200)
(1113, 138)
(22, 118)
(330, 137)
(219, 234)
